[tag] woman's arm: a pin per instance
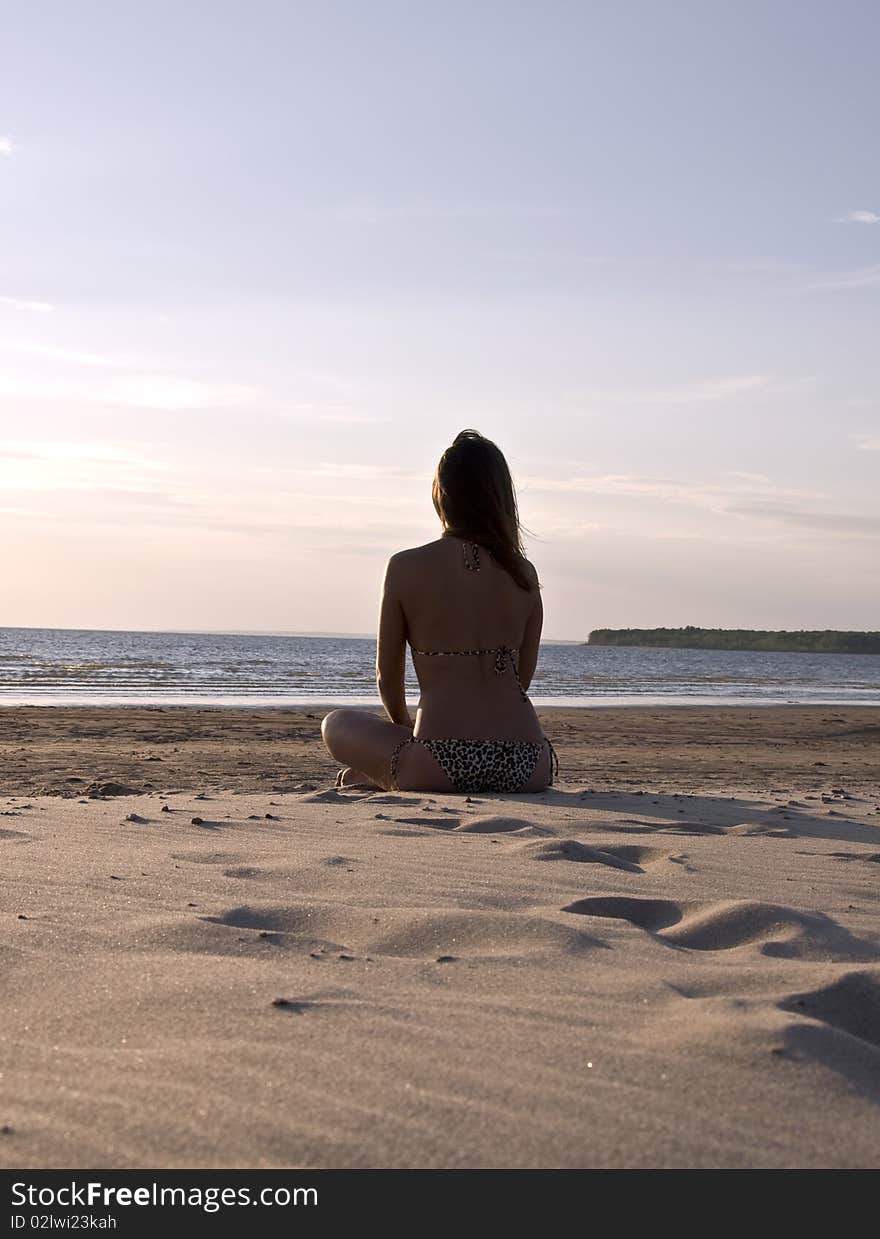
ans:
(391, 649)
(528, 651)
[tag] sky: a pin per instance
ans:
(262, 261)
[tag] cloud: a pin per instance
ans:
(598, 484)
(66, 465)
(155, 381)
(7, 146)
(751, 495)
(166, 393)
(858, 217)
(708, 391)
(70, 452)
(709, 496)
(752, 266)
(361, 472)
(863, 277)
(19, 304)
(343, 415)
(370, 212)
(825, 522)
(170, 393)
(56, 449)
(871, 444)
(560, 527)
(761, 478)
(71, 356)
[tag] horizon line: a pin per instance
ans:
(240, 632)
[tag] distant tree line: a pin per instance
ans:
(691, 638)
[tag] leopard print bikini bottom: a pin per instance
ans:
(483, 765)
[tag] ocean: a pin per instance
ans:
(52, 666)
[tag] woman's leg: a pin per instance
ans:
(366, 744)
(363, 741)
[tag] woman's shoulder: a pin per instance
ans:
(410, 554)
(410, 564)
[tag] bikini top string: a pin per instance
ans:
(503, 653)
(505, 656)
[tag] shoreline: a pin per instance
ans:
(609, 702)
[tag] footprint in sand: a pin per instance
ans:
(632, 826)
(872, 858)
(499, 824)
(691, 828)
(775, 929)
(397, 798)
(485, 824)
(104, 790)
(747, 829)
(207, 858)
(273, 919)
(332, 795)
(851, 1004)
(243, 929)
(19, 835)
(432, 823)
(478, 934)
(631, 858)
(322, 1000)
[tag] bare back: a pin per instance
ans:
(441, 605)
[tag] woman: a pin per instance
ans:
(470, 606)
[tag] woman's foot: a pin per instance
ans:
(349, 777)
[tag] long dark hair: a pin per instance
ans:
(474, 497)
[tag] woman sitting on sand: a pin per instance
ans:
(469, 604)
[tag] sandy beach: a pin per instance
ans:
(212, 958)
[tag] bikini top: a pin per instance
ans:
(505, 655)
